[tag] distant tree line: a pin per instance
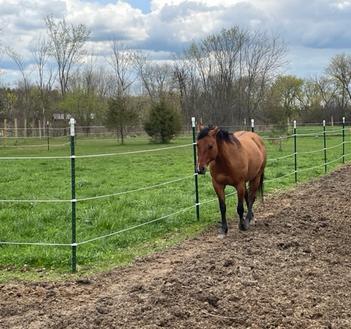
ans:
(226, 79)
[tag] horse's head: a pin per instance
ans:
(207, 149)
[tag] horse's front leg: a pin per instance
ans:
(221, 198)
(243, 223)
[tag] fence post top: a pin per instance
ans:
(72, 122)
(295, 124)
(323, 123)
(252, 123)
(193, 121)
(343, 119)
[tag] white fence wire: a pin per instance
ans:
(95, 197)
(315, 133)
(137, 226)
(93, 155)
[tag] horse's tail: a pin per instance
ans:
(261, 185)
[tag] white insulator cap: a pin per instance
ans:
(72, 123)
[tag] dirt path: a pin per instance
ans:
(291, 270)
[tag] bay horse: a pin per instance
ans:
(234, 159)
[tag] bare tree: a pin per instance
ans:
(328, 93)
(340, 70)
(122, 62)
(91, 78)
(45, 72)
(121, 112)
(67, 43)
(157, 79)
(87, 93)
(227, 74)
(24, 84)
(18, 60)
(263, 56)
(181, 76)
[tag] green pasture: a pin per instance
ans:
(47, 179)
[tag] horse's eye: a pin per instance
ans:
(210, 147)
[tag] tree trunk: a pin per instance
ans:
(122, 134)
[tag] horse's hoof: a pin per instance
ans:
(221, 236)
(243, 225)
(223, 231)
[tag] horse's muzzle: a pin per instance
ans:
(201, 170)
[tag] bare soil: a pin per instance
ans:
(291, 270)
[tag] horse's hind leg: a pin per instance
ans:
(253, 187)
(247, 197)
(221, 198)
(243, 223)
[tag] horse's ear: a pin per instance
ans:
(213, 131)
(200, 126)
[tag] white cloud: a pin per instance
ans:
(342, 4)
(173, 24)
(159, 4)
(105, 21)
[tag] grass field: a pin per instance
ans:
(50, 179)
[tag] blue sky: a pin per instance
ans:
(143, 5)
(313, 30)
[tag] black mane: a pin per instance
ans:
(204, 132)
(222, 135)
(226, 136)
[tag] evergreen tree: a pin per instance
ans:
(164, 122)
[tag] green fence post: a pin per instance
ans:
(197, 204)
(253, 125)
(295, 151)
(325, 147)
(343, 139)
(74, 200)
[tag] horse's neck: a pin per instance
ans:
(227, 152)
